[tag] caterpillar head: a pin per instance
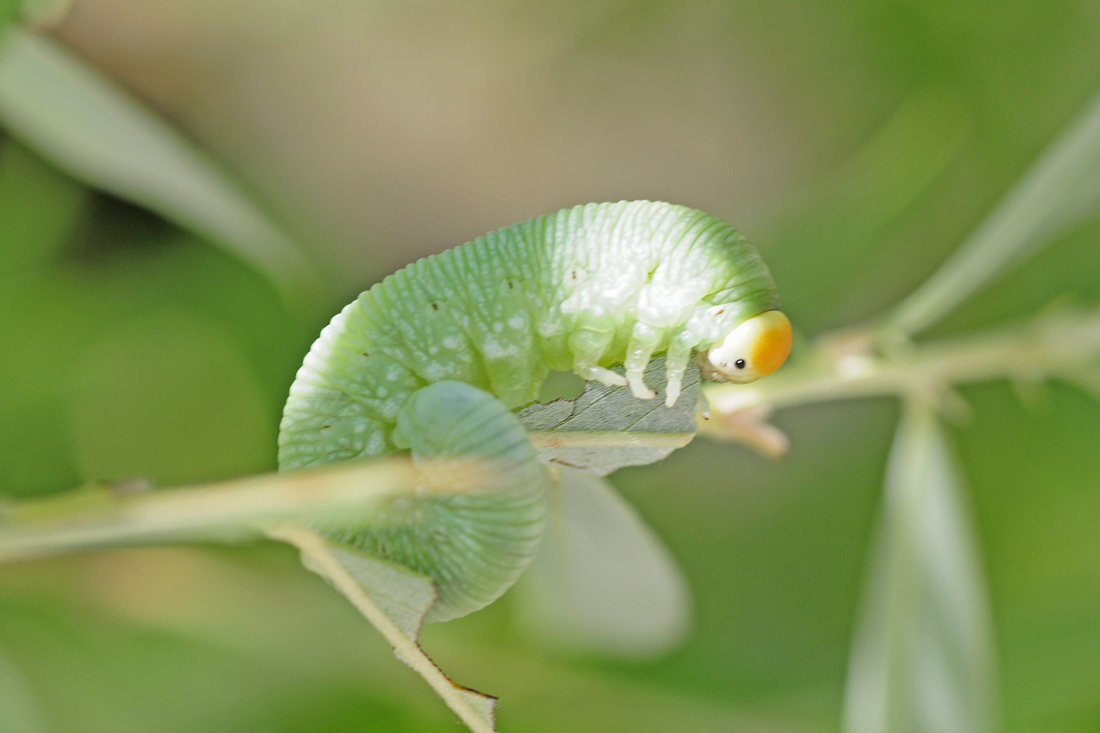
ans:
(754, 349)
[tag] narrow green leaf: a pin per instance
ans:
(395, 600)
(403, 595)
(607, 428)
(1060, 191)
(60, 107)
(922, 657)
(602, 581)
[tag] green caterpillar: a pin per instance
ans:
(432, 359)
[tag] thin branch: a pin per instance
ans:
(96, 516)
(1049, 346)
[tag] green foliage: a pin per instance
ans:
(129, 346)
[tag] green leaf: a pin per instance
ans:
(60, 107)
(922, 657)
(607, 428)
(403, 595)
(395, 600)
(1060, 191)
(602, 581)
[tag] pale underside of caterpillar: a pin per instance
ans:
(434, 357)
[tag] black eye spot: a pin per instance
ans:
(740, 363)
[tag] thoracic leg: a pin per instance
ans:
(679, 352)
(588, 345)
(643, 342)
(604, 376)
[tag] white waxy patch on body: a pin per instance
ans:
(452, 342)
(516, 322)
(435, 371)
(375, 443)
(494, 349)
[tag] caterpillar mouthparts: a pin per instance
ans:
(754, 349)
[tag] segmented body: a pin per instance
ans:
(582, 289)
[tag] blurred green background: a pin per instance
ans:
(856, 143)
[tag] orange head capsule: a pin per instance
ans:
(754, 349)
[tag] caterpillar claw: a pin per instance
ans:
(639, 389)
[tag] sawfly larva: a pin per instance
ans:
(432, 359)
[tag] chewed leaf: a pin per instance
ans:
(607, 428)
(404, 596)
(395, 600)
(602, 580)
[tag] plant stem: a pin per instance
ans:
(1050, 346)
(233, 510)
